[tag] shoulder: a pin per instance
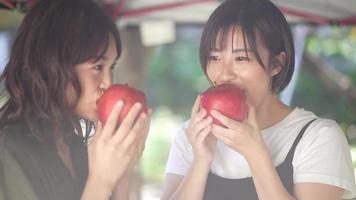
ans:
(319, 128)
(12, 173)
(323, 139)
(323, 156)
(325, 130)
(16, 140)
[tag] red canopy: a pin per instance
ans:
(197, 11)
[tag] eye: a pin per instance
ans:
(98, 67)
(242, 59)
(213, 58)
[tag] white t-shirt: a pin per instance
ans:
(322, 155)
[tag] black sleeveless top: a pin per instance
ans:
(244, 189)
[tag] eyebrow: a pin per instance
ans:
(103, 58)
(235, 50)
(238, 50)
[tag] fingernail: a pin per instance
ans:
(138, 105)
(119, 103)
(210, 119)
(213, 112)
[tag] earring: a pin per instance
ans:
(214, 83)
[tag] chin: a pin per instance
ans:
(93, 118)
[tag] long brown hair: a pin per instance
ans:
(54, 37)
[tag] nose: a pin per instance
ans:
(106, 81)
(227, 73)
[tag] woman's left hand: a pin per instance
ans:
(243, 137)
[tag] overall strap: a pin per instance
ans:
(296, 141)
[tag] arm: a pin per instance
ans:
(121, 190)
(198, 134)
(94, 189)
(241, 136)
(170, 185)
(187, 187)
(269, 186)
(310, 191)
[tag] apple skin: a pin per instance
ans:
(228, 99)
(116, 92)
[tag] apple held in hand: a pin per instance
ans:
(116, 93)
(228, 99)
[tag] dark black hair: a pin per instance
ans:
(255, 18)
(54, 37)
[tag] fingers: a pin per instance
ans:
(135, 136)
(198, 117)
(146, 126)
(135, 132)
(229, 123)
(136, 139)
(196, 106)
(201, 126)
(127, 124)
(204, 133)
(111, 122)
(221, 133)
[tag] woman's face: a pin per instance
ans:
(232, 65)
(94, 77)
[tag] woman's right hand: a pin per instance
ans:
(199, 134)
(114, 149)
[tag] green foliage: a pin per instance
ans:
(163, 125)
(175, 77)
(337, 46)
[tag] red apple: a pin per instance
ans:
(118, 92)
(227, 99)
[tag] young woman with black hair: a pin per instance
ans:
(278, 152)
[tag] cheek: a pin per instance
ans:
(71, 95)
(211, 72)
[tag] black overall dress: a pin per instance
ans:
(219, 188)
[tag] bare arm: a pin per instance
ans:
(191, 186)
(269, 185)
(95, 190)
(171, 184)
(121, 190)
(310, 191)
(241, 136)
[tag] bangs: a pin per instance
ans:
(96, 51)
(217, 38)
(91, 30)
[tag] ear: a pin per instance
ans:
(278, 62)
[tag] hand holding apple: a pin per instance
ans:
(117, 92)
(227, 99)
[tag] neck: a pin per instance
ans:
(271, 111)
